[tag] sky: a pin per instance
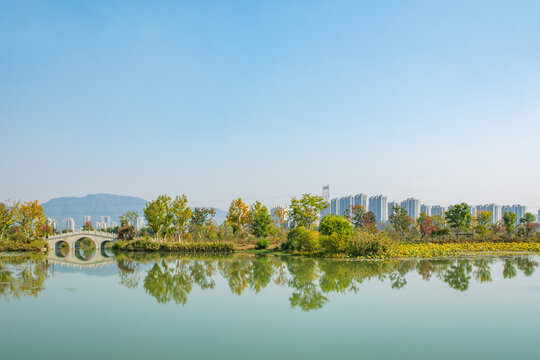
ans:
(437, 100)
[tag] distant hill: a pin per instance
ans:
(97, 205)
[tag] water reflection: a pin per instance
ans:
(22, 275)
(171, 278)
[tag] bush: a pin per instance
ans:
(262, 244)
(19, 237)
(302, 239)
(335, 243)
(150, 245)
(367, 244)
(35, 245)
(331, 224)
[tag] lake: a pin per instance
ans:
(242, 306)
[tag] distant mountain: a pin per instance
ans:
(98, 205)
(95, 205)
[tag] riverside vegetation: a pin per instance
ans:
(172, 226)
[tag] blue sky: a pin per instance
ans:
(219, 99)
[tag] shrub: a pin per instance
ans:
(302, 239)
(19, 237)
(35, 245)
(367, 244)
(150, 245)
(335, 243)
(262, 244)
(335, 224)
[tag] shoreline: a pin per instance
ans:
(396, 252)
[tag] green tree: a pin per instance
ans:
(128, 217)
(335, 224)
(483, 222)
(509, 220)
(158, 214)
(459, 216)
(401, 221)
(302, 239)
(307, 210)
(180, 214)
(355, 215)
(527, 218)
(202, 216)
(237, 217)
(10, 213)
(259, 220)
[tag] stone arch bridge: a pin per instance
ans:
(73, 239)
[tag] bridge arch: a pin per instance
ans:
(106, 253)
(61, 248)
(85, 248)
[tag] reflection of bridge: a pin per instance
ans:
(101, 258)
(74, 256)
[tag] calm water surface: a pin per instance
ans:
(150, 306)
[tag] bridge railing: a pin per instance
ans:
(90, 232)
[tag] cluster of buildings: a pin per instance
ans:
(383, 209)
(103, 223)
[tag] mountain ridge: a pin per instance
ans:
(97, 205)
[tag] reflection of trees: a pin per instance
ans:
(172, 277)
(128, 273)
(306, 294)
(261, 273)
(236, 271)
(483, 272)
(457, 276)
(168, 282)
(509, 270)
(526, 265)
(202, 272)
(22, 275)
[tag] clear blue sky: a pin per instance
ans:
(216, 99)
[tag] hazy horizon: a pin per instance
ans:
(218, 100)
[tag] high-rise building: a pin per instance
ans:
(391, 206)
(496, 211)
(139, 224)
(51, 223)
(426, 209)
(519, 210)
(438, 210)
(107, 222)
(69, 224)
(360, 200)
(379, 206)
(87, 218)
(326, 198)
(334, 207)
(345, 204)
(473, 210)
(412, 206)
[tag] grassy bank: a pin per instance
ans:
(187, 247)
(10, 246)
